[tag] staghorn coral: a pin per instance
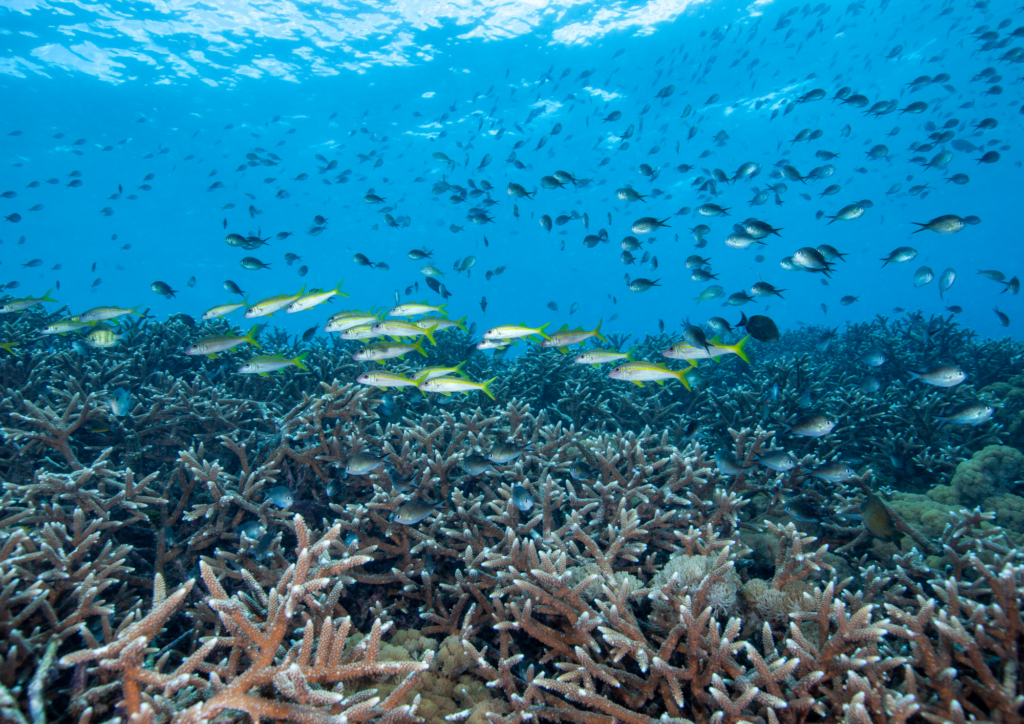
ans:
(649, 586)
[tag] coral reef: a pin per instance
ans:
(151, 571)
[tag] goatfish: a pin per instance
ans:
(447, 385)
(222, 310)
(343, 321)
(430, 373)
(396, 328)
(603, 356)
(565, 337)
(20, 305)
(101, 314)
(383, 380)
(63, 326)
(515, 331)
(265, 364)
(266, 307)
(640, 372)
(411, 309)
(442, 323)
(362, 331)
(308, 301)
(713, 351)
(386, 351)
(212, 346)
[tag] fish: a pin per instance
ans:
(20, 305)
(102, 314)
(522, 498)
(714, 349)
(362, 463)
(448, 385)
(878, 521)
(383, 380)
(476, 465)
(729, 464)
(213, 345)
(281, 496)
(515, 331)
(565, 337)
(414, 511)
(387, 350)
(815, 424)
(940, 375)
(760, 327)
(502, 453)
(640, 372)
(263, 365)
(778, 460)
(102, 338)
(834, 472)
(267, 307)
(119, 402)
(971, 413)
(313, 299)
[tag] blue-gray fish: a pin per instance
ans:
(728, 463)
(362, 464)
(970, 413)
(414, 511)
(281, 496)
(522, 498)
(815, 424)
(505, 452)
(778, 460)
(834, 472)
(119, 402)
(476, 465)
(940, 375)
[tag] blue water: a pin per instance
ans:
(185, 90)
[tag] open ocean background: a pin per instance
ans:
(184, 90)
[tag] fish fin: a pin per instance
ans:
(914, 376)
(682, 378)
(212, 355)
(382, 389)
(429, 333)
(136, 313)
(661, 383)
(485, 387)
(419, 347)
(263, 374)
(541, 330)
(8, 345)
(46, 297)
(447, 394)
(638, 383)
(738, 349)
(597, 331)
(298, 362)
(461, 322)
(459, 366)
(563, 350)
(251, 336)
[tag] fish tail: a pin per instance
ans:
(419, 347)
(46, 297)
(540, 331)
(459, 366)
(681, 376)
(461, 322)
(301, 291)
(337, 289)
(251, 336)
(914, 376)
(738, 349)
(134, 310)
(631, 354)
(597, 331)
(297, 361)
(429, 333)
(485, 387)
(8, 346)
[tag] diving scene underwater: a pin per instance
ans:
(490, 362)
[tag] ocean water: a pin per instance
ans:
(183, 91)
